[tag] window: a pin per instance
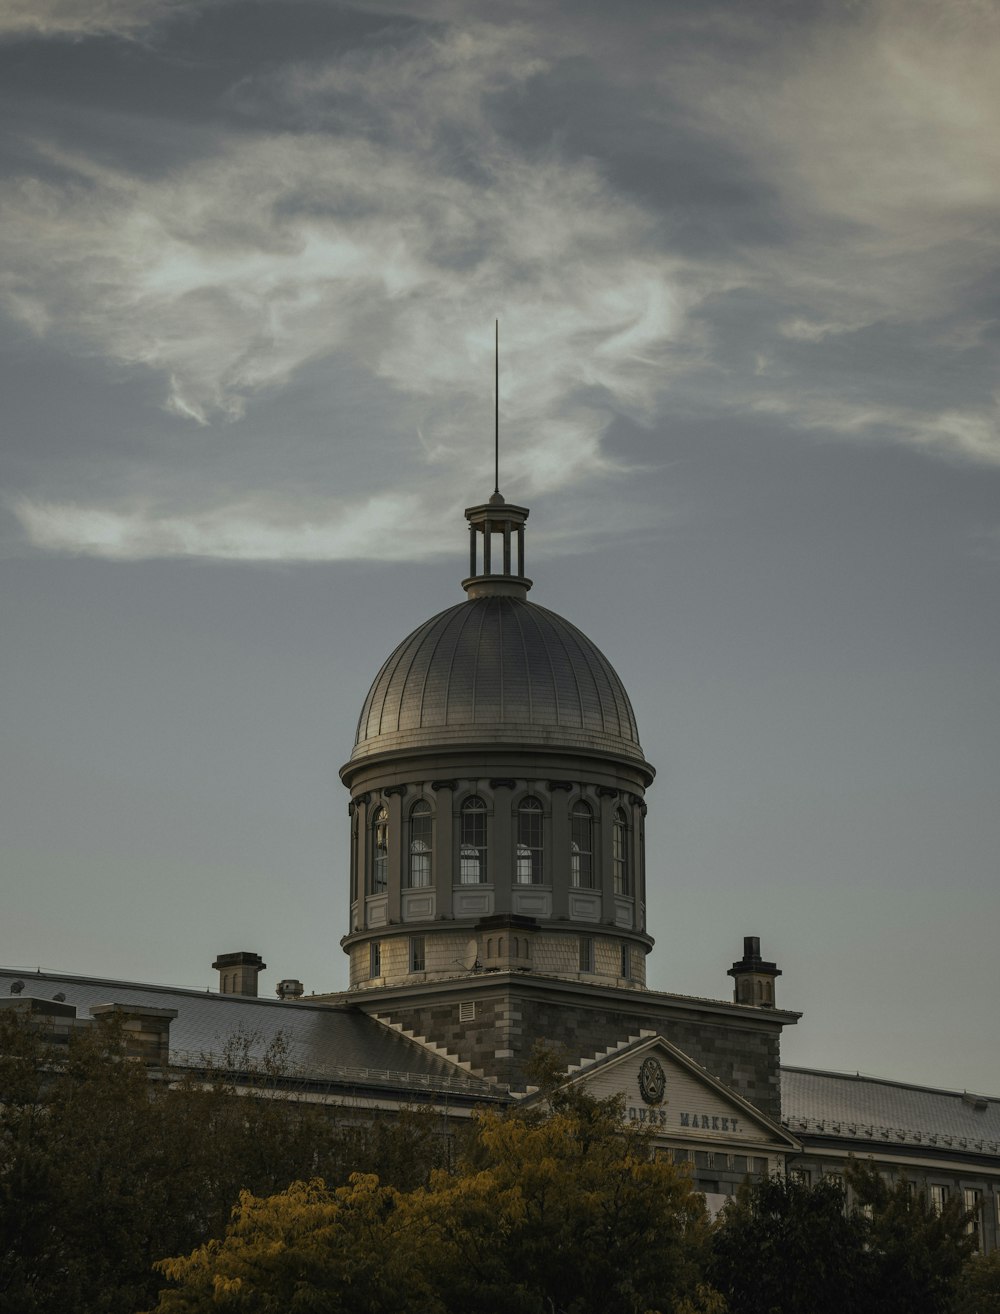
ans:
(418, 960)
(939, 1194)
(380, 851)
(375, 959)
(529, 842)
(586, 953)
(472, 848)
(620, 864)
(972, 1198)
(418, 876)
(467, 1010)
(626, 962)
(581, 861)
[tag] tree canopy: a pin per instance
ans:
(565, 1214)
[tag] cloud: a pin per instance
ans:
(245, 532)
(391, 247)
(372, 211)
(85, 18)
(972, 434)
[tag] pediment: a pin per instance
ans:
(667, 1091)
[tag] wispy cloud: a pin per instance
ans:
(246, 532)
(385, 248)
(392, 214)
(83, 18)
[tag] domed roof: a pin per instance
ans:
(497, 670)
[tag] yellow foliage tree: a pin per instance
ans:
(565, 1214)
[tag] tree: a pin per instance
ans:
(785, 1247)
(915, 1253)
(561, 1214)
(104, 1170)
(978, 1288)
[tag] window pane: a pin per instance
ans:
(417, 959)
(620, 857)
(586, 953)
(420, 846)
(472, 850)
(581, 868)
(528, 869)
(380, 851)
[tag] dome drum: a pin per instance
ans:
(564, 854)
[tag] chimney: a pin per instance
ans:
(753, 978)
(146, 1031)
(290, 989)
(238, 973)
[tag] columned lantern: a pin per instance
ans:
(497, 793)
(498, 529)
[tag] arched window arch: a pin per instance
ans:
(418, 874)
(528, 870)
(621, 858)
(472, 842)
(581, 849)
(379, 868)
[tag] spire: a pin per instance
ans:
(496, 519)
(496, 412)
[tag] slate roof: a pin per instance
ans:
(499, 669)
(329, 1044)
(841, 1106)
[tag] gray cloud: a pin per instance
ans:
(421, 184)
(82, 18)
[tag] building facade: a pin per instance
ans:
(495, 902)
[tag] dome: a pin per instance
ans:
(497, 671)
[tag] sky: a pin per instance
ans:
(744, 254)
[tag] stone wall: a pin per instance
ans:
(509, 1020)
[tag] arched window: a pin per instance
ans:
(379, 872)
(529, 842)
(472, 846)
(620, 857)
(419, 874)
(581, 848)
